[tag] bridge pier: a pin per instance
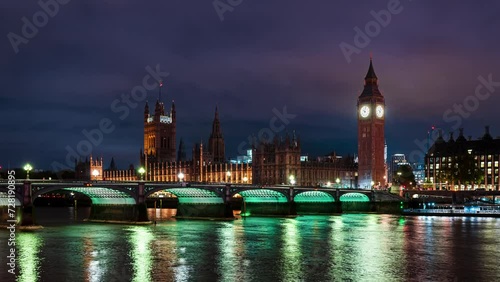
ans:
(338, 204)
(292, 207)
(228, 209)
(141, 207)
(27, 208)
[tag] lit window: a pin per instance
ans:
(489, 157)
(482, 164)
(437, 166)
(482, 158)
(469, 151)
(496, 163)
(489, 164)
(489, 170)
(432, 166)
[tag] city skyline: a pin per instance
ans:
(53, 89)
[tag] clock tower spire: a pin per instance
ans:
(371, 140)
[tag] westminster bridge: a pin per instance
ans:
(126, 201)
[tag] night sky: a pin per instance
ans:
(262, 55)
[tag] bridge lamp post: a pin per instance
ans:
(292, 179)
(141, 172)
(338, 182)
(95, 173)
(28, 168)
(228, 176)
(372, 183)
(328, 184)
(181, 176)
(245, 179)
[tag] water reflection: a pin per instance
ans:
(351, 247)
(316, 238)
(91, 261)
(161, 214)
(228, 261)
(29, 245)
(291, 255)
(141, 255)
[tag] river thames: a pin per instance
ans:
(348, 247)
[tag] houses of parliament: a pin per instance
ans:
(269, 163)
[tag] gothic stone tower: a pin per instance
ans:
(159, 133)
(216, 146)
(371, 121)
(274, 163)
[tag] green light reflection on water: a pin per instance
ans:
(364, 241)
(291, 252)
(227, 258)
(141, 254)
(28, 245)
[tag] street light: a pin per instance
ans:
(372, 183)
(141, 172)
(181, 176)
(28, 168)
(245, 179)
(228, 175)
(292, 179)
(328, 184)
(337, 181)
(95, 173)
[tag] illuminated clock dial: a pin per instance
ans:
(364, 111)
(379, 111)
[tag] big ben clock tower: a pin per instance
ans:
(371, 141)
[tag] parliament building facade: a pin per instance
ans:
(271, 163)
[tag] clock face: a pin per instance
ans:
(379, 111)
(364, 111)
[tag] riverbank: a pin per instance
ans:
(24, 227)
(119, 222)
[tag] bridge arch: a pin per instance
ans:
(98, 195)
(4, 195)
(313, 197)
(354, 197)
(262, 196)
(4, 199)
(191, 195)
